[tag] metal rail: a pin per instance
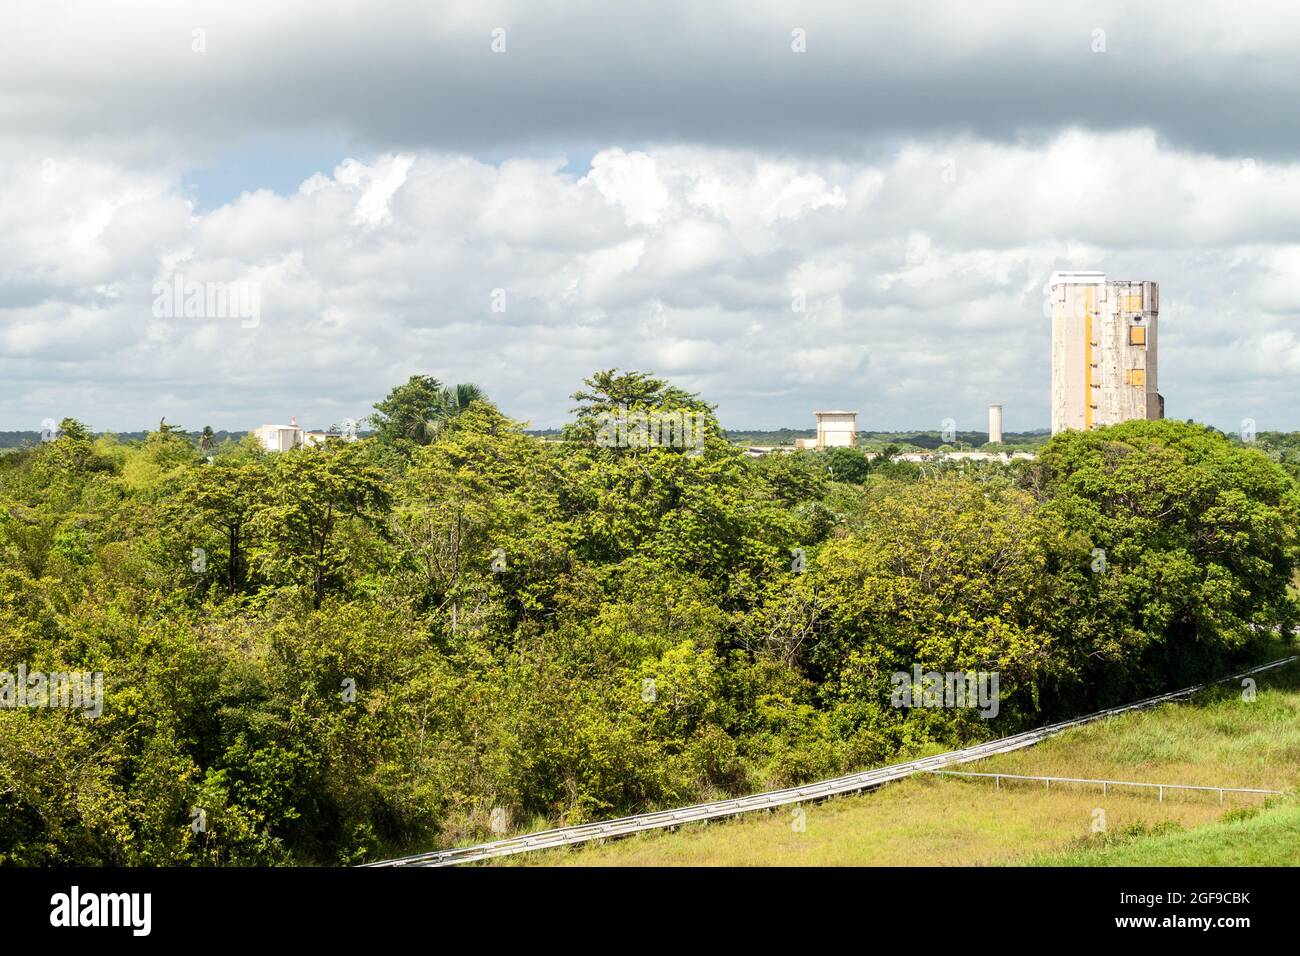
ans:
(1105, 784)
(852, 783)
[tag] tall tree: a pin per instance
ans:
(458, 398)
(468, 511)
(405, 415)
(613, 393)
(311, 493)
(1197, 539)
(415, 412)
(226, 497)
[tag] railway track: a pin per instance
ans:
(852, 783)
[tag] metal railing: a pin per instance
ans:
(1105, 784)
(853, 783)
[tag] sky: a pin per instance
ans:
(781, 206)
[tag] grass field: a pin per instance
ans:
(1217, 739)
(1268, 838)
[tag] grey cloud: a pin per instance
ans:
(404, 75)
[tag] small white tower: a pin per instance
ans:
(995, 423)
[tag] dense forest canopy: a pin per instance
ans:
(336, 653)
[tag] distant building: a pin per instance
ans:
(1001, 456)
(836, 429)
(280, 437)
(289, 437)
(995, 424)
(940, 456)
(1103, 351)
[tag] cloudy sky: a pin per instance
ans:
(784, 206)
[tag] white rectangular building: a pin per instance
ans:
(291, 436)
(279, 437)
(836, 429)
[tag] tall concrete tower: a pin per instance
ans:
(995, 424)
(1103, 351)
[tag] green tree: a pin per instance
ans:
(1196, 540)
(408, 413)
(611, 393)
(954, 575)
(846, 464)
(416, 411)
(310, 495)
(226, 497)
(472, 517)
(458, 398)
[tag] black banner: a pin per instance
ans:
(345, 907)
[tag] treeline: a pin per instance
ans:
(29, 439)
(451, 627)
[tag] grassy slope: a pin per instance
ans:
(1270, 838)
(1215, 740)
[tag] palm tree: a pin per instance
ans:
(457, 398)
(453, 400)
